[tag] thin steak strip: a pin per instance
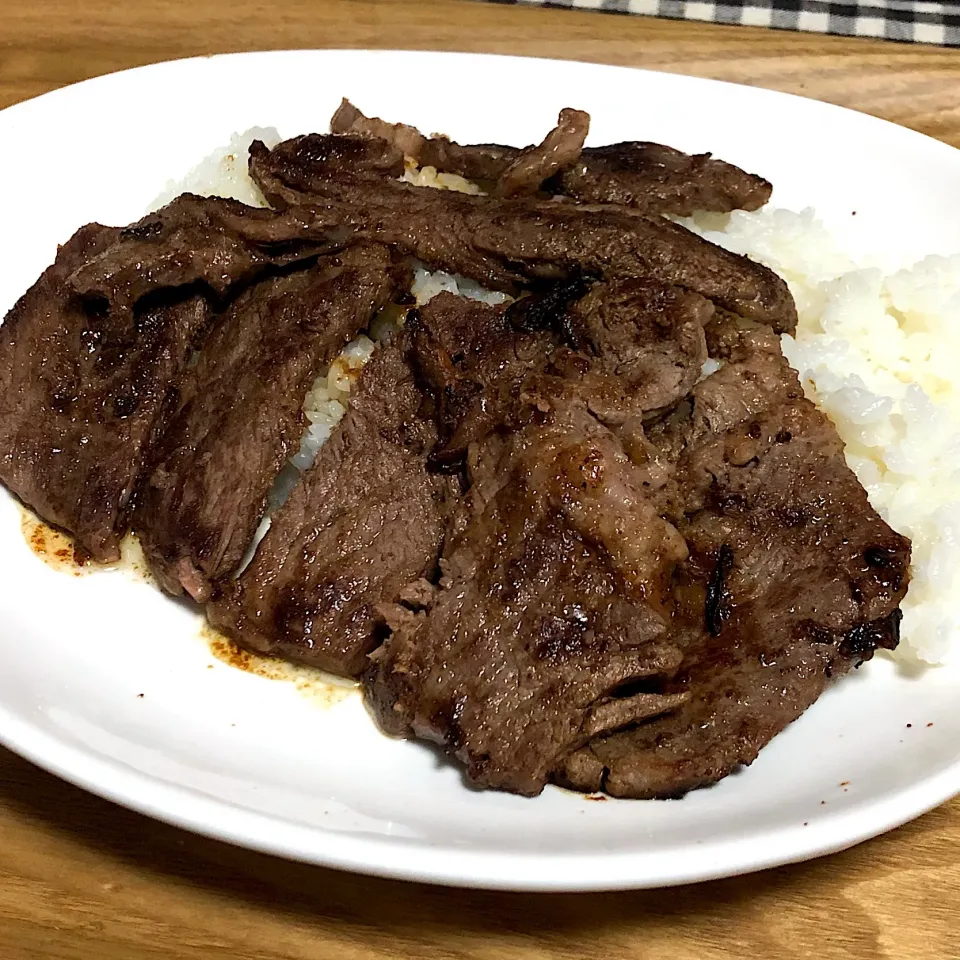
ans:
(647, 176)
(84, 393)
(365, 521)
(241, 416)
(506, 244)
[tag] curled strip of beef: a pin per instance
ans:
(506, 244)
(241, 415)
(365, 521)
(647, 176)
(209, 240)
(480, 161)
(84, 394)
(559, 151)
(792, 580)
(548, 627)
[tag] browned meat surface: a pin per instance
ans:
(83, 393)
(792, 575)
(648, 176)
(365, 521)
(489, 366)
(658, 179)
(558, 152)
(241, 416)
(220, 243)
(506, 243)
(474, 363)
(545, 543)
(476, 161)
(649, 335)
(549, 614)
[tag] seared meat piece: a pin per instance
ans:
(648, 176)
(646, 333)
(313, 164)
(549, 614)
(506, 243)
(210, 240)
(490, 366)
(476, 161)
(84, 393)
(558, 238)
(658, 179)
(474, 363)
(364, 522)
(793, 577)
(558, 152)
(241, 416)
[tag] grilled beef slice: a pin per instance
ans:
(648, 176)
(83, 393)
(655, 178)
(641, 349)
(793, 579)
(474, 363)
(506, 244)
(365, 521)
(241, 416)
(549, 614)
(648, 334)
(210, 240)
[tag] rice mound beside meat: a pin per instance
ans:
(878, 353)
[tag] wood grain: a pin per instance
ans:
(81, 879)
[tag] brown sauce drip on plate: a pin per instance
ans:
(54, 547)
(322, 689)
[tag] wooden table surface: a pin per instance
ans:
(82, 879)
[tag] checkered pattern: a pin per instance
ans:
(916, 21)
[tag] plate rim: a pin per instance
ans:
(539, 871)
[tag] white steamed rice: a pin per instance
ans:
(879, 354)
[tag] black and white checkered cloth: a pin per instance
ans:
(916, 21)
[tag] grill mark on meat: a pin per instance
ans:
(551, 601)
(716, 609)
(84, 394)
(548, 309)
(241, 413)
(647, 176)
(365, 521)
(507, 243)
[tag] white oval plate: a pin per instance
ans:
(253, 761)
